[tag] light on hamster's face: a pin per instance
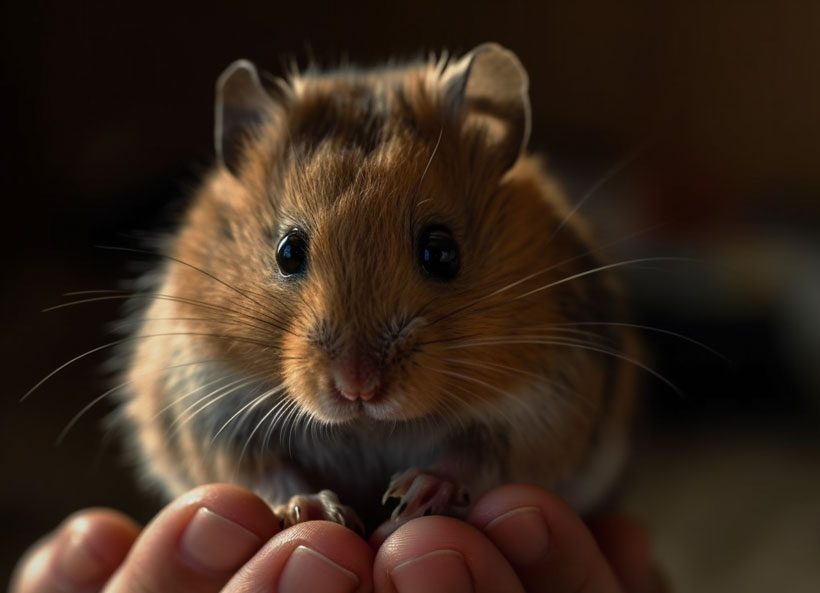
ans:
(381, 194)
(356, 347)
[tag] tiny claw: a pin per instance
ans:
(422, 494)
(306, 507)
(398, 511)
(391, 493)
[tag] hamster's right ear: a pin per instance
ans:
(242, 104)
(488, 89)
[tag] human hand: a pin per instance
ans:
(222, 538)
(214, 538)
(518, 538)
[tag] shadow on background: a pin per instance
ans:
(106, 119)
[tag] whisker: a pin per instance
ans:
(165, 297)
(582, 346)
(470, 379)
(603, 268)
(270, 393)
(94, 291)
(541, 272)
(280, 407)
(608, 176)
(76, 418)
(125, 341)
(240, 322)
(188, 394)
(193, 267)
(557, 387)
(280, 418)
(240, 423)
(248, 406)
(550, 331)
(480, 364)
(517, 338)
(653, 329)
(500, 409)
(210, 399)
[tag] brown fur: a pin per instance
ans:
(362, 161)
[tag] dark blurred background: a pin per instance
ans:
(107, 125)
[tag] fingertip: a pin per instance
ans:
(32, 571)
(235, 504)
(198, 541)
(517, 518)
(107, 534)
(441, 554)
(514, 515)
(543, 538)
(80, 555)
(311, 556)
(213, 530)
(512, 496)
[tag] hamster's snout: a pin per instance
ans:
(355, 374)
(344, 372)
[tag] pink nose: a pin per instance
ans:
(355, 375)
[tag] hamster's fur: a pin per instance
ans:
(503, 372)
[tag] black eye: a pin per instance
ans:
(291, 253)
(438, 253)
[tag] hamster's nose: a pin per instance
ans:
(355, 374)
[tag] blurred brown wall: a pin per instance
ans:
(100, 98)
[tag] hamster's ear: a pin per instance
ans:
(489, 88)
(241, 105)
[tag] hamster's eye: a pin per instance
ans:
(291, 253)
(438, 253)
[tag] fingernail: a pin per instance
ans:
(521, 535)
(308, 570)
(217, 543)
(79, 564)
(442, 571)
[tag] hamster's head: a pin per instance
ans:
(373, 245)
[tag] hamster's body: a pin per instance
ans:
(376, 278)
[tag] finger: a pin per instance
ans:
(196, 543)
(544, 540)
(314, 557)
(441, 555)
(80, 555)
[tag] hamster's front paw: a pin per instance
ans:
(421, 493)
(323, 506)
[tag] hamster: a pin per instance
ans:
(375, 294)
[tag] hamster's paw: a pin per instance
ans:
(423, 493)
(420, 493)
(323, 506)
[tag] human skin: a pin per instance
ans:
(219, 537)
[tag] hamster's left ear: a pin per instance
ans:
(242, 104)
(488, 88)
